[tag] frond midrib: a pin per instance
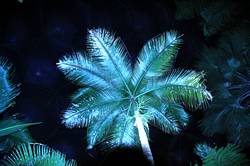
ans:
(116, 67)
(150, 64)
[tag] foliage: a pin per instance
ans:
(12, 130)
(113, 92)
(8, 90)
(202, 150)
(225, 156)
(36, 155)
(215, 15)
(228, 70)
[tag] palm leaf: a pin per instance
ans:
(156, 57)
(101, 128)
(112, 55)
(37, 155)
(10, 126)
(124, 133)
(83, 71)
(162, 121)
(202, 150)
(22, 135)
(180, 85)
(226, 156)
(177, 112)
(8, 90)
(82, 113)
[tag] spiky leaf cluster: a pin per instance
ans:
(12, 130)
(225, 156)
(8, 91)
(36, 155)
(113, 92)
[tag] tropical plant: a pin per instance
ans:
(225, 156)
(214, 15)
(228, 70)
(12, 130)
(35, 154)
(117, 101)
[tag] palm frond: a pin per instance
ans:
(156, 57)
(83, 71)
(177, 112)
(91, 107)
(8, 90)
(202, 150)
(162, 121)
(112, 54)
(21, 135)
(225, 156)
(180, 85)
(10, 126)
(101, 128)
(124, 133)
(36, 154)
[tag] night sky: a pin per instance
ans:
(36, 33)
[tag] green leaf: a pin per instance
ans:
(8, 127)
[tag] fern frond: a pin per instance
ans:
(8, 90)
(156, 57)
(38, 155)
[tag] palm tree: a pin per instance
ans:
(118, 100)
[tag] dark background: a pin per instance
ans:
(36, 33)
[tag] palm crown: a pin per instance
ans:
(117, 101)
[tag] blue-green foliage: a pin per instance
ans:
(8, 91)
(226, 156)
(12, 130)
(202, 150)
(228, 72)
(113, 92)
(36, 155)
(215, 15)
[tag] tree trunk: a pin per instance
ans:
(144, 140)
